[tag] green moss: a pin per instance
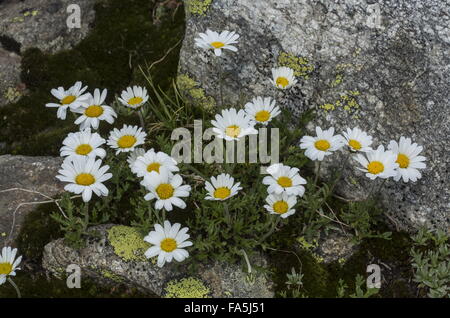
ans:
(186, 288)
(190, 89)
(301, 65)
(198, 6)
(128, 243)
(123, 37)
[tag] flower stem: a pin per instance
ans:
(15, 287)
(220, 68)
(163, 215)
(272, 229)
(141, 118)
(317, 173)
(86, 215)
(226, 212)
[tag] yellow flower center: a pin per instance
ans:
(285, 182)
(375, 167)
(68, 100)
(262, 116)
(126, 141)
(5, 268)
(222, 193)
(355, 144)
(217, 45)
(135, 100)
(322, 145)
(168, 245)
(94, 111)
(83, 149)
(233, 131)
(403, 161)
(282, 81)
(280, 207)
(153, 167)
(85, 179)
(165, 191)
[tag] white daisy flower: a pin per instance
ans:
(169, 243)
(262, 110)
(284, 179)
(71, 98)
(322, 145)
(378, 163)
(137, 152)
(233, 125)
(134, 97)
(126, 139)
(281, 204)
(93, 111)
(83, 144)
(85, 176)
(408, 159)
(153, 161)
(222, 187)
(166, 189)
(357, 140)
(283, 77)
(8, 263)
(214, 41)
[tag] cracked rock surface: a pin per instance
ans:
(380, 65)
(30, 173)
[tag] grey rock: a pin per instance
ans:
(98, 259)
(42, 23)
(39, 24)
(29, 173)
(10, 87)
(392, 54)
(335, 247)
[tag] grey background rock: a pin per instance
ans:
(40, 24)
(395, 53)
(98, 257)
(31, 173)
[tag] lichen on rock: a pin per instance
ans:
(198, 7)
(128, 243)
(301, 65)
(189, 287)
(191, 90)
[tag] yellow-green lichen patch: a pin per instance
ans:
(337, 80)
(301, 65)
(190, 90)
(12, 94)
(186, 288)
(198, 6)
(128, 243)
(347, 101)
(110, 275)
